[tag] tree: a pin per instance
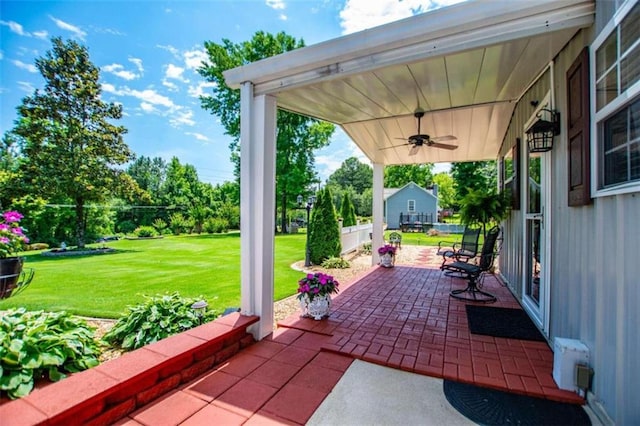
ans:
(297, 136)
(473, 175)
(352, 173)
(71, 150)
(347, 211)
(399, 176)
(324, 230)
(446, 191)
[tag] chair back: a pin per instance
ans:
(470, 241)
(489, 249)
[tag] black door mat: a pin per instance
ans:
(502, 322)
(493, 407)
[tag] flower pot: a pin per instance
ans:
(387, 260)
(10, 269)
(317, 308)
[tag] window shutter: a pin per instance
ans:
(578, 125)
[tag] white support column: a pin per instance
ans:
(257, 204)
(377, 211)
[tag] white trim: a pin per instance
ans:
(409, 209)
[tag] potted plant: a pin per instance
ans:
(314, 294)
(387, 255)
(484, 208)
(12, 240)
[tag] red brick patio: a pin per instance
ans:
(401, 317)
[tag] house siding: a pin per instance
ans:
(594, 289)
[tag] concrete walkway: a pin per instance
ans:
(370, 394)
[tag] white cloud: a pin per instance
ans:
(77, 31)
(28, 67)
(175, 72)
(138, 63)
(193, 59)
(41, 34)
(26, 86)
(147, 107)
(14, 27)
(276, 4)
(119, 71)
(283, 17)
(1, 55)
(359, 15)
(175, 52)
(183, 116)
(169, 85)
(198, 136)
(199, 90)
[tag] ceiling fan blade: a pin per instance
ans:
(444, 138)
(414, 150)
(443, 146)
(393, 146)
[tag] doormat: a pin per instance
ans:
(502, 322)
(493, 407)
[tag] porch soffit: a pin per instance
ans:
(465, 65)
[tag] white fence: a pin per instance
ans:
(353, 237)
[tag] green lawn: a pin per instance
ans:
(104, 285)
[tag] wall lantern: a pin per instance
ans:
(540, 134)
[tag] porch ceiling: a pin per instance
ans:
(465, 65)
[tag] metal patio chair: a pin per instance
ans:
(460, 251)
(474, 273)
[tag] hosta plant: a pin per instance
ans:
(42, 344)
(335, 263)
(159, 317)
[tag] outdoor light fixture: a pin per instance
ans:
(540, 134)
(199, 308)
(310, 202)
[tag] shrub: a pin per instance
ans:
(126, 227)
(335, 263)
(37, 344)
(324, 231)
(216, 225)
(145, 232)
(366, 248)
(178, 223)
(159, 317)
(160, 225)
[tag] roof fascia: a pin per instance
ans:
(453, 29)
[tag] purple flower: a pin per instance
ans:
(4, 240)
(12, 216)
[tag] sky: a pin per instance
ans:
(148, 52)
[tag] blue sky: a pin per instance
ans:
(148, 52)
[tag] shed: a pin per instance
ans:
(410, 207)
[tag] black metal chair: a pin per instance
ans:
(460, 251)
(473, 273)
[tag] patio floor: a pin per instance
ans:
(401, 317)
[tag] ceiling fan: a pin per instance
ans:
(418, 140)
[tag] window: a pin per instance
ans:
(621, 147)
(617, 102)
(411, 206)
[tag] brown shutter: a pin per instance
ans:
(578, 125)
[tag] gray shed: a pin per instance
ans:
(411, 207)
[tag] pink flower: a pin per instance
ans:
(12, 216)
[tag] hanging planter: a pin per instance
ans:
(10, 269)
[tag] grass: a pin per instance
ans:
(104, 285)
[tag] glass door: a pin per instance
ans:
(536, 238)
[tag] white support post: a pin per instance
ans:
(378, 212)
(257, 204)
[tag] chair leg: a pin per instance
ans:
(473, 293)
